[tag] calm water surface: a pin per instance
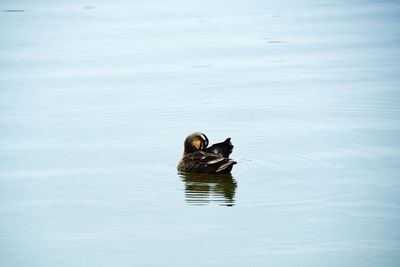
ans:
(98, 96)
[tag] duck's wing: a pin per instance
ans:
(223, 149)
(201, 161)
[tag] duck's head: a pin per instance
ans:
(194, 142)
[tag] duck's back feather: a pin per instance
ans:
(203, 161)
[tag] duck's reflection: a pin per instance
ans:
(201, 189)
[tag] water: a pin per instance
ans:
(97, 98)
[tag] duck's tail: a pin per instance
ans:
(224, 149)
(226, 168)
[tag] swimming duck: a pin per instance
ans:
(199, 158)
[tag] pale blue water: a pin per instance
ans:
(97, 98)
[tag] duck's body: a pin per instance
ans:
(197, 158)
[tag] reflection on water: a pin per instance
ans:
(201, 189)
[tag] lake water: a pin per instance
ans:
(97, 98)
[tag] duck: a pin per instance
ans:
(199, 158)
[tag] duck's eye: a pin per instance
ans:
(197, 144)
(205, 140)
(205, 143)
